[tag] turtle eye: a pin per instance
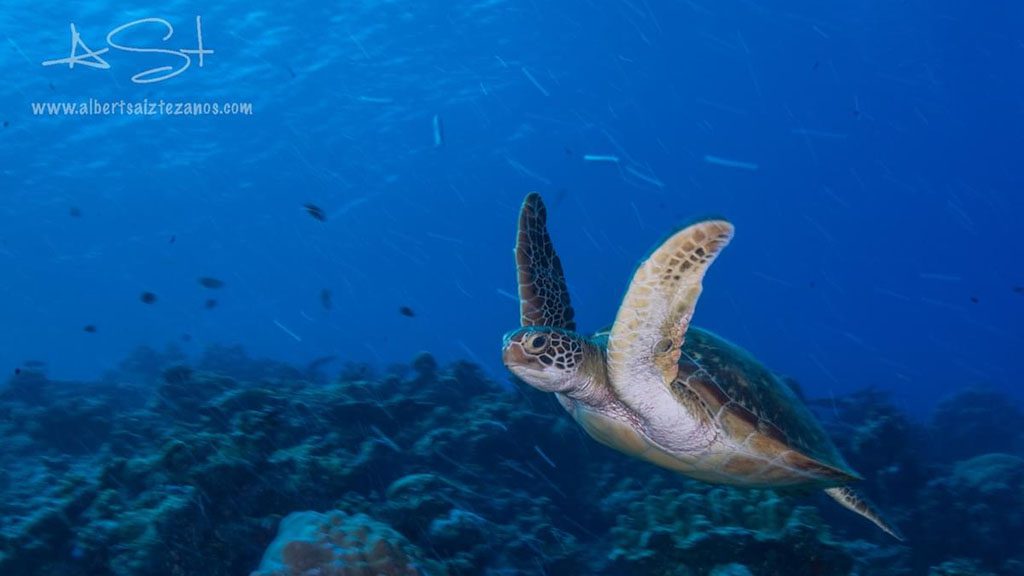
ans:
(538, 342)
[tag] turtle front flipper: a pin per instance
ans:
(854, 502)
(543, 294)
(644, 345)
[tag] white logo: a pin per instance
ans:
(93, 58)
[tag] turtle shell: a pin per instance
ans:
(722, 374)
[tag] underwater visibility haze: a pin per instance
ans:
(388, 287)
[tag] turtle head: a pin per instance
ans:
(549, 359)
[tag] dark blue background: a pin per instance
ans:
(888, 191)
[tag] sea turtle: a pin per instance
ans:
(698, 405)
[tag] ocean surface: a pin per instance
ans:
(285, 319)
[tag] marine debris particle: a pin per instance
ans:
(326, 299)
(544, 456)
(534, 81)
(287, 331)
(210, 282)
(17, 371)
(526, 171)
(173, 238)
(147, 298)
(1018, 289)
(210, 304)
(186, 337)
(406, 311)
(507, 294)
(375, 99)
(729, 163)
(316, 212)
(438, 131)
(90, 328)
(974, 299)
(820, 134)
(75, 212)
(385, 440)
(645, 177)
(601, 158)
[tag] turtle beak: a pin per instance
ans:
(513, 354)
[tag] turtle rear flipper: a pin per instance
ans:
(856, 503)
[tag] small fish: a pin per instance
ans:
(17, 371)
(211, 303)
(326, 299)
(316, 212)
(6, 123)
(186, 337)
(974, 300)
(210, 282)
(319, 363)
(173, 238)
(33, 364)
(75, 212)
(147, 298)
(1018, 289)
(407, 312)
(90, 328)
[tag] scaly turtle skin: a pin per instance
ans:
(655, 387)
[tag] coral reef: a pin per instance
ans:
(974, 422)
(959, 568)
(167, 468)
(975, 511)
(703, 529)
(884, 445)
(337, 544)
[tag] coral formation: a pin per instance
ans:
(337, 544)
(167, 468)
(975, 510)
(974, 422)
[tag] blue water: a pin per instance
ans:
(886, 193)
(869, 159)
